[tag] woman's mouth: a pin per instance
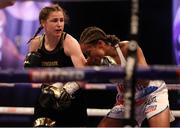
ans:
(58, 31)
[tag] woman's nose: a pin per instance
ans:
(59, 23)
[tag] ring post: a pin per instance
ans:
(130, 83)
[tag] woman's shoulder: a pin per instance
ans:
(35, 43)
(69, 38)
(124, 47)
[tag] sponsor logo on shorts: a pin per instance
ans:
(146, 91)
(150, 109)
(116, 110)
(151, 101)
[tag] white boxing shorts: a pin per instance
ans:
(149, 102)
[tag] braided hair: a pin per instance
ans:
(90, 36)
(93, 34)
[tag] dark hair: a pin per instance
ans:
(44, 13)
(92, 34)
(37, 32)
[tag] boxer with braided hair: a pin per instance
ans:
(151, 97)
(59, 104)
(95, 45)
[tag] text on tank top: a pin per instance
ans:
(56, 57)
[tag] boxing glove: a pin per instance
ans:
(107, 61)
(33, 59)
(57, 95)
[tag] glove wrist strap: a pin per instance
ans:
(71, 87)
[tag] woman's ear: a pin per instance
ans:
(42, 23)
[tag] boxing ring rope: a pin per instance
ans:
(93, 74)
(90, 111)
(88, 86)
(90, 74)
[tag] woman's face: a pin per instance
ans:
(95, 49)
(99, 49)
(54, 25)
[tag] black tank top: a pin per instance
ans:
(55, 58)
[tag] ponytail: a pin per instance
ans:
(37, 32)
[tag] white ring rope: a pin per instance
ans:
(90, 111)
(89, 86)
(74, 74)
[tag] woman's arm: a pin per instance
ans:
(33, 57)
(72, 49)
(34, 44)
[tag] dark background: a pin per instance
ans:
(114, 18)
(155, 28)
